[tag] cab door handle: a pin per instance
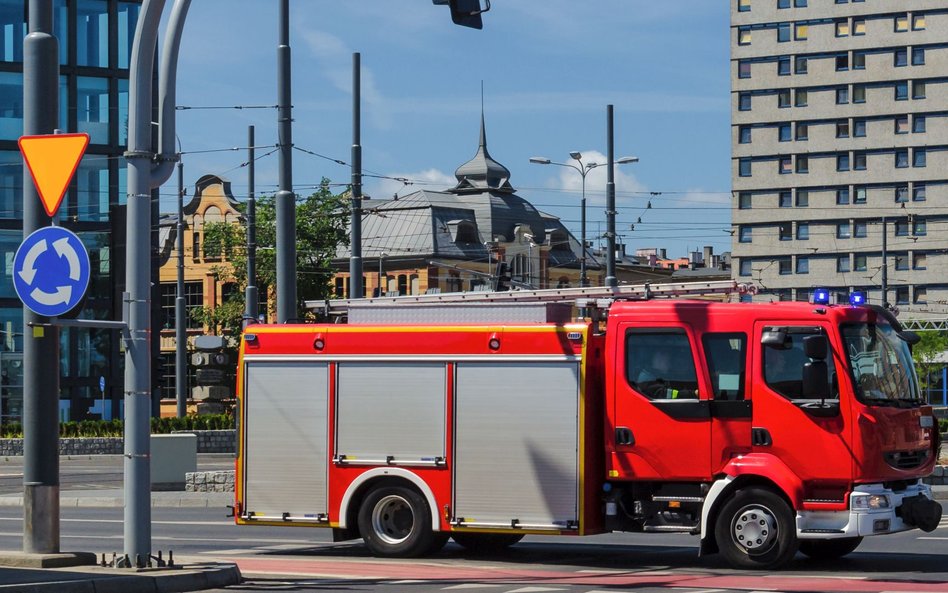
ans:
(624, 436)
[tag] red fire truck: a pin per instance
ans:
(763, 429)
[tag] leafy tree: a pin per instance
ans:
(925, 353)
(322, 223)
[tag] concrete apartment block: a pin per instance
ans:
(840, 122)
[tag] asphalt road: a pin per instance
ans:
(305, 559)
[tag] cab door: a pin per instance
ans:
(660, 404)
(811, 435)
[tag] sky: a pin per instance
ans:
(549, 68)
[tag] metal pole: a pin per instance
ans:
(180, 322)
(611, 279)
(40, 343)
(285, 199)
(355, 209)
(885, 264)
(381, 291)
(583, 279)
(251, 296)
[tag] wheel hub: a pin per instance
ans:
(754, 529)
(392, 519)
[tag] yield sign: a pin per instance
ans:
(53, 160)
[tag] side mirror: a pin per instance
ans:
(815, 347)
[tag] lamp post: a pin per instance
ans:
(382, 256)
(583, 169)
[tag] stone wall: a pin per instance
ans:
(208, 441)
(217, 481)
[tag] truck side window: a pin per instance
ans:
(783, 366)
(727, 358)
(660, 364)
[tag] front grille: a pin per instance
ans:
(906, 459)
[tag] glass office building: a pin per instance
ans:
(95, 40)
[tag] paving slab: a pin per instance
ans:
(194, 576)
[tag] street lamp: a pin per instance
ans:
(382, 257)
(583, 169)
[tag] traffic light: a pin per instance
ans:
(466, 13)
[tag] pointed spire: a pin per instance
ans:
(482, 172)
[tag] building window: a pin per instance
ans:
(92, 33)
(800, 99)
(842, 196)
(92, 108)
(842, 263)
(859, 160)
(193, 300)
(921, 295)
(918, 124)
(127, 21)
(743, 36)
(901, 91)
(842, 62)
(842, 129)
(919, 261)
(799, 3)
(745, 134)
(860, 263)
(918, 192)
(803, 164)
(745, 234)
(13, 30)
(783, 3)
(859, 128)
(918, 56)
(744, 167)
(842, 28)
(746, 267)
(919, 227)
(784, 266)
(859, 93)
(900, 57)
(803, 131)
(785, 199)
(785, 165)
(901, 228)
(783, 133)
(859, 26)
(803, 265)
(803, 231)
(743, 5)
(744, 201)
(859, 195)
(803, 198)
(783, 66)
(918, 22)
(859, 60)
(800, 65)
(918, 89)
(901, 158)
(783, 98)
(901, 124)
(744, 102)
(860, 229)
(901, 262)
(842, 95)
(783, 32)
(842, 162)
(743, 69)
(901, 23)
(801, 31)
(901, 295)
(901, 194)
(843, 231)
(785, 231)
(919, 157)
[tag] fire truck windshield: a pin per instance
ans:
(881, 363)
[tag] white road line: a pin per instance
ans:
(536, 589)
(933, 538)
(470, 586)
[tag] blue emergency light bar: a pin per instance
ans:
(857, 298)
(821, 296)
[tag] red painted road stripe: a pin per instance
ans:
(381, 570)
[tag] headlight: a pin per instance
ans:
(869, 501)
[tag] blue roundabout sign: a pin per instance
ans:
(51, 271)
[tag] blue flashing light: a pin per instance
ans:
(857, 298)
(821, 296)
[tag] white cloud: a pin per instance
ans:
(430, 179)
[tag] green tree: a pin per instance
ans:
(926, 352)
(322, 223)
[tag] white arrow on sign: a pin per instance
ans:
(29, 271)
(64, 249)
(61, 296)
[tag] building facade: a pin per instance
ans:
(840, 147)
(95, 39)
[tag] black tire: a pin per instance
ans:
(486, 543)
(395, 522)
(755, 529)
(829, 549)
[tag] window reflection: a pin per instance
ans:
(11, 185)
(92, 108)
(12, 30)
(92, 33)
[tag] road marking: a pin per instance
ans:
(536, 589)
(469, 586)
(934, 538)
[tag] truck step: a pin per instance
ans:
(677, 499)
(669, 528)
(822, 531)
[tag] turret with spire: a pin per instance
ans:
(482, 173)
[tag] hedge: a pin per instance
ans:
(115, 428)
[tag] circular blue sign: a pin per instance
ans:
(51, 271)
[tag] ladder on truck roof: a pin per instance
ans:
(591, 296)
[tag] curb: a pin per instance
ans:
(185, 500)
(195, 577)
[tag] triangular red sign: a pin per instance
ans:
(53, 160)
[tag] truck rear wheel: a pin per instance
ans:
(829, 549)
(486, 543)
(755, 529)
(395, 521)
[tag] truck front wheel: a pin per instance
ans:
(395, 521)
(755, 529)
(829, 549)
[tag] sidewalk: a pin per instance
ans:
(95, 579)
(115, 497)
